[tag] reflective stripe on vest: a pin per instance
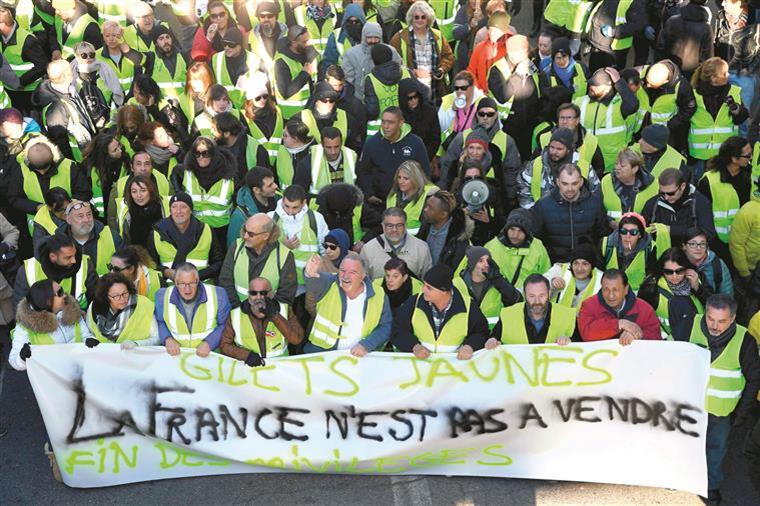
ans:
(606, 122)
(78, 290)
(75, 36)
(271, 270)
(204, 319)
(328, 320)
(219, 64)
(213, 207)
(296, 102)
(566, 296)
(320, 172)
(706, 133)
(513, 331)
(490, 305)
(138, 325)
(13, 54)
(198, 256)
(271, 144)
(451, 335)
(308, 243)
(172, 85)
(245, 336)
(725, 204)
(341, 123)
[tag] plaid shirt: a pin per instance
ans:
(439, 316)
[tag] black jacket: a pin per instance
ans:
(635, 19)
(18, 200)
(457, 238)
(685, 102)
(56, 118)
(681, 309)
(687, 38)
(31, 52)
(692, 209)
(402, 334)
(423, 119)
(354, 136)
(185, 243)
(238, 152)
(561, 224)
(285, 85)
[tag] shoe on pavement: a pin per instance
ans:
(53, 462)
(713, 497)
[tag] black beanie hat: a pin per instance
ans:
(565, 136)
(440, 276)
(181, 197)
(381, 53)
(587, 252)
(487, 102)
(160, 30)
(520, 218)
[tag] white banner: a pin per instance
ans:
(594, 412)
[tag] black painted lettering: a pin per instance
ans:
(341, 422)
(282, 417)
(228, 419)
(398, 416)
(580, 409)
(529, 412)
(205, 418)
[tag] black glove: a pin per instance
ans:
(91, 342)
(494, 272)
(26, 352)
(272, 308)
(4, 247)
(254, 360)
(733, 107)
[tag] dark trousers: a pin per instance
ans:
(752, 452)
(718, 430)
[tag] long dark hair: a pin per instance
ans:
(40, 295)
(95, 156)
(100, 304)
(134, 255)
(143, 180)
(676, 255)
(731, 148)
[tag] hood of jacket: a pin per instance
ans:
(41, 139)
(405, 87)
(353, 11)
(387, 73)
(45, 94)
(339, 193)
(461, 228)
(370, 29)
(298, 217)
(406, 129)
(695, 13)
(45, 321)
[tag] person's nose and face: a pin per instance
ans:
(673, 272)
(325, 105)
(350, 275)
(221, 104)
(254, 235)
(140, 194)
(258, 292)
(180, 213)
(629, 236)
(744, 159)
(80, 219)
(394, 279)
(268, 21)
(332, 148)
(164, 42)
(391, 125)
(218, 15)
(557, 151)
(112, 37)
(487, 117)
(482, 265)
(187, 284)
(568, 119)
(516, 236)
(561, 60)
(718, 320)
(672, 193)
(537, 298)
(581, 269)
(65, 257)
(232, 49)
(269, 187)
(614, 292)
(336, 84)
(394, 228)
(419, 20)
(202, 155)
(475, 151)
(404, 182)
(115, 149)
(292, 207)
(142, 165)
(570, 185)
(118, 296)
(332, 250)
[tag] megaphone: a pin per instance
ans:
(475, 193)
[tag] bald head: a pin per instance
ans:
(257, 231)
(39, 154)
(658, 75)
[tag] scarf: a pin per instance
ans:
(142, 219)
(159, 156)
(716, 344)
(318, 13)
(682, 289)
(398, 297)
(299, 149)
(111, 324)
(565, 75)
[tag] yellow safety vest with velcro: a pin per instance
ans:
(219, 64)
(12, 53)
(272, 143)
(561, 324)
(308, 242)
(571, 14)
(451, 335)
(706, 133)
(580, 83)
(490, 305)
(204, 320)
(198, 256)
(75, 36)
(125, 69)
(663, 311)
(341, 123)
(33, 190)
(614, 205)
(387, 96)
(77, 289)
(245, 336)
(725, 204)
(137, 328)
(606, 122)
(636, 270)
(664, 107)
(413, 208)
(566, 296)
(320, 172)
(317, 38)
(271, 270)
(328, 320)
(289, 106)
(213, 207)
(44, 219)
(45, 338)
(726, 383)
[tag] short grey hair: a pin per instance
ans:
(352, 255)
(426, 9)
(394, 211)
(722, 301)
(186, 267)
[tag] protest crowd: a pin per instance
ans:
(268, 178)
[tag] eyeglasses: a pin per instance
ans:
(187, 285)
(265, 96)
(668, 194)
(745, 156)
(697, 245)
(87, 56)
(394, 225)
(567, 118)
(625, 231)
(59, 292)
(266, 15)
(249, 233)
(485, 114)
(113, 268)
(218, 15)
(231, 44)
(202, 154)
(77, 207)
(462, 88)
(327, 245)
(670, 272)
(327, 100)
(254, 293)
(420, 16)
(119, 296)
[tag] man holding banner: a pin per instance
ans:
(191, 314)
(734, 380)
(436, 319)
(350, 314)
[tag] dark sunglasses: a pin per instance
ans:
(484, 114)
(87, 56)
(462, 88)
(265, 96)
(416, 96)
(329, 246)
(202, 154)
(231, 44)
(680, 270)
(354, 21)
(113, 268)
(624, 231)
(254, 293)
(420, 16)
(471, 178)
(668, 194)
(218, 16)
(59, 292)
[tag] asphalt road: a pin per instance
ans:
(25, 475)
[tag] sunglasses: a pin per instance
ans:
(484, 114)
(668, 194)
(353, 21)
(59, 292)
(624, 231)
(413, 97)
(87, 56)
(219, 15)
(113, 268)
(461, 88)
(248, 233)
(670, 272)
(418, 16)
(254, 293)
(265, 96)
(327, 245)
(231, 44)
(202, 154)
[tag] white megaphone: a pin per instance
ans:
(475, 193)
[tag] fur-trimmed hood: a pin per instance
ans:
(45, 321)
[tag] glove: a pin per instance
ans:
(493, 271)
(91, 342)
(649, 32)
(128, 345)
(733, 107)
(4, 247)
(26, 352)
(608, 31)
(272, 308)
(254, 360)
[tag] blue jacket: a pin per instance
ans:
(378, 337)
(246, 206)
(215, 337)
(331, 49)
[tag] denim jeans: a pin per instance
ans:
(747, 83)
(718, 429)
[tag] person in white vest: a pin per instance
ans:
(191, 314)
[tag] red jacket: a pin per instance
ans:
(596, 321)
(480, 61)
(203, 50)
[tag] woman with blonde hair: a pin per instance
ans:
(409, 191)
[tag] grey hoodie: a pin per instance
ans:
(357, 61)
